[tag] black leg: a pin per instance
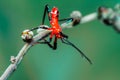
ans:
(48, 12)
(66, 19)
(65, 40)
(54, 46)
(74, 20)
(38, 28)
(63, 35)
(47, 42)
(44, 42)
(34, 28)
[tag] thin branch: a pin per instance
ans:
(84, 19)
(15, 61)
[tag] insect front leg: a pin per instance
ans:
(74, 21)
(46, 10)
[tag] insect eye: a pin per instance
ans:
(57, 12)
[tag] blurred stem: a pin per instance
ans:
(89, 18)
(85, 19)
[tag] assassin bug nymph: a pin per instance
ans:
(56, 31)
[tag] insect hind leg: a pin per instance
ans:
(54, 46)
(63, 35)
(66, 41)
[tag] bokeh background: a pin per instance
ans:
(99, 42)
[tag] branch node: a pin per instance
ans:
(12, 59)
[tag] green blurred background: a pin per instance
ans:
(99, 42)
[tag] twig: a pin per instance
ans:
(16, 60)
(84, 19)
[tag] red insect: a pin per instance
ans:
(56, 29)
(53, 16)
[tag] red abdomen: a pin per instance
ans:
(55, 27)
